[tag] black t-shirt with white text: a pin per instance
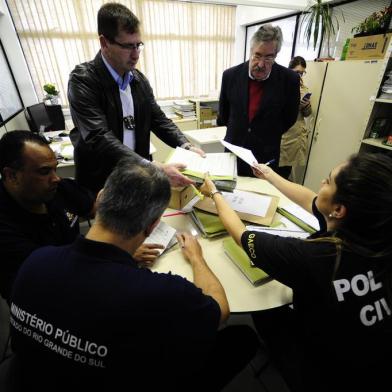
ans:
(342, 317)
(95, 316)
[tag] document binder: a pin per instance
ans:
(299, 222)
(196, 168)
(208, 224)
(238, 256)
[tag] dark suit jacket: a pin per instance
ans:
(277, 113)
(96, 111)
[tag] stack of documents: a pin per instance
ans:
(238, 256)
(164, 235)
(168, 108)
(184, 109)
(221, 166)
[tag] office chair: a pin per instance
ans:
(56, 117)
(37, 116)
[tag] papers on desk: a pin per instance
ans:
(67, 151)
(248, 203)
(241, 152)
(163, 234)
(220, 165)
(250, 206)
(63, 149)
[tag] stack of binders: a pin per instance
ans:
(208, 224)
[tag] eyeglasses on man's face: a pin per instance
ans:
(138, 46)
(270, 59)
(301, 73)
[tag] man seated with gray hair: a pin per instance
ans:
(94, 316)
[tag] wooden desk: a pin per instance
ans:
(241, 294)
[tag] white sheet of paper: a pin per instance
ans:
(302, 214)
(162, 234)
(279, 232)
(67, 151)
(248, 202)
(217, 164)
(241, 152)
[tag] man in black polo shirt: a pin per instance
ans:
(37, 208)
(94, 318)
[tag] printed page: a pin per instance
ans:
(248, 203)
(162, 234)
(217, 164)
(243, 153)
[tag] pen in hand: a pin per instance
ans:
(269, 162)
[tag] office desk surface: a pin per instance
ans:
(241, 294)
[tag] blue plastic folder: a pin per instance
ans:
(238, 256)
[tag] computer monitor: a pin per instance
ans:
(37, 116)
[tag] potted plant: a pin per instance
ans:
(52, 93)
(376, 23)
(319, 22)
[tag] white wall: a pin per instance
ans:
(248, 15)
(18, 65)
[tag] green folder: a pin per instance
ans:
(209, 224)
(300, 223)
(241, 260)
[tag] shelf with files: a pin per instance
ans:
(206, 111)
(379, 123)
(376, 142)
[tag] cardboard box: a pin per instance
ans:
(208, 205)
(182, 198)
(369, 47)
(205, 112)
(208, 124)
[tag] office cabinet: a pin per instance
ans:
(314, 78)
(206, 111)
(343, 114)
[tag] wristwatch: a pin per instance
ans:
(214, 192)
(188, 146)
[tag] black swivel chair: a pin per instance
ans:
(37, 116)
(49, 116)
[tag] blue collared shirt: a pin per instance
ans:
(122, 82)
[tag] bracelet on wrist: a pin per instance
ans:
(214, 192)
